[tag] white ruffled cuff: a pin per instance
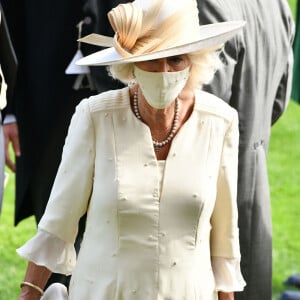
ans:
(47, 250)
(228, 274)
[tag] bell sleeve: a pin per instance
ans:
(69, 198)
(225, 249)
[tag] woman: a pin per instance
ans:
(154, 165)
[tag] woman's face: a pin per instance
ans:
(162, 80)
(167, 64)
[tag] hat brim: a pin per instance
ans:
(210, 35)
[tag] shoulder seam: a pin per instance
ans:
(110, 100)
(212, 104)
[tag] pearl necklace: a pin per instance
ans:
(158, 145)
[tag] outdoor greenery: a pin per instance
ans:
(284, 176)
(293, 4)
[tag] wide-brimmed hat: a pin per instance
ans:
(152, 29)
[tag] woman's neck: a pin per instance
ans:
(161, 121)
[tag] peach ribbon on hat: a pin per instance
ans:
(129, 24)
(137, 32)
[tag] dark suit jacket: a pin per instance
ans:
(256, 80)
(44, 35)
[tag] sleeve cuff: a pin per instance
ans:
(50, 251)
(228, 274)
(9, 119)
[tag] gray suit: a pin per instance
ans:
(256, 80)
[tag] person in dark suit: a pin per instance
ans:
(256, 80)
(291, 281)
(45, 100)
(8, 65)
(44, 35)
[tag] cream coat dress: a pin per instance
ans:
(151, 231)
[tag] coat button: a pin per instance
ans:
(162, 234)
(151, 237)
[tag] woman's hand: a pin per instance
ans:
(11, 136)
(226, 296)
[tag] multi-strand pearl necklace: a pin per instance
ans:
(159, 144)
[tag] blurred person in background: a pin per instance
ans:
(256, 80)
(37, 133)
(45, 96)
(292, 281)
(8, 67)
(44, 35)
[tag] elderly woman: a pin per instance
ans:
(154, 166)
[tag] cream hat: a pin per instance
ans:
(152, 29)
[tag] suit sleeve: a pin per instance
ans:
(224, 83)
(285, 86)
(283, 93)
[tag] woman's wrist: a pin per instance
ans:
(225, 296)
(30, 292)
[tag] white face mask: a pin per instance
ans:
(161, 88)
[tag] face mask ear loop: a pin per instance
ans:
(132, 82)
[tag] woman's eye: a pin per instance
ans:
(176, 59)
(178, 62)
